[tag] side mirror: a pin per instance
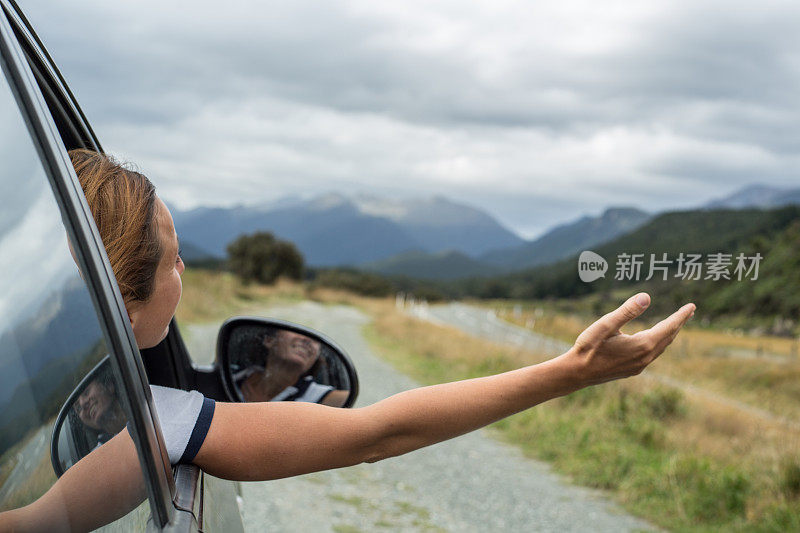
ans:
(264, 360)
(92, 414)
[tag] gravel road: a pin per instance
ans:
(472, 483)
(483, 323)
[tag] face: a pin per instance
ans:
(296, 349)
(150, 319)
(93, 405)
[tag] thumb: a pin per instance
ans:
(610, 323)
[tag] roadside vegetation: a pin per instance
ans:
(211, 295)
(676, 458)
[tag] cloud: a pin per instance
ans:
(23, 173)
(575, 104)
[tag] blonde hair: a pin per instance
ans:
(123, 204)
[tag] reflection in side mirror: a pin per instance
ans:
(91, 415)
(265, 360)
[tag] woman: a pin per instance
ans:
(281, 365)
(138, 233)
(98, 409)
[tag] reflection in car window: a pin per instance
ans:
(93, 414)
(50, 338)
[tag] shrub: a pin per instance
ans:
(709, 492)
(363, 283)
(262, 258)
(664, 403)
(790, 478)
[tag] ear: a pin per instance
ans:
(134, 316)
(74, 257)
(269, 341)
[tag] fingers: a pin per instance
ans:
(662, 334)
(670, 326)
(610, 323)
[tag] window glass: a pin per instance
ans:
(51, 345)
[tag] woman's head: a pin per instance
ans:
(97, 407)
(139, 236)
(293, 350)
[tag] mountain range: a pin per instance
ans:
(569, 238)
(759, 196)
(334, 230)
(433, 238)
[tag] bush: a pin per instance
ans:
(664, 403)
(362, 283)
(429, 294)
(790, 478)
(262, 258)
(709, 492)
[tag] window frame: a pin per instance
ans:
(91, 256)
(169, 363)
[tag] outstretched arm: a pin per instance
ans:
(100, 488)
(280, 439)
(271, 440)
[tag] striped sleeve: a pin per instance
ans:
(185, 418)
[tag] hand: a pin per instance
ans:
(603, 353)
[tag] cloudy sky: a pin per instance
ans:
(538, 112)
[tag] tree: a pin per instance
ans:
(263, 258)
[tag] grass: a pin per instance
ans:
(395, 516)
(681, 461)
(356, 501)
(209, 296)
(37, 480)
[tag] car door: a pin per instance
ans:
(62, 308)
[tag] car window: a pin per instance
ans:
(50, 336)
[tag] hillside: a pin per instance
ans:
(441, 266)
(567, 239)
(773, 234)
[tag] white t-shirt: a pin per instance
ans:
(305, 390)
(185, 417)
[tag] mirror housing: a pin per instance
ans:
(266, 359)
